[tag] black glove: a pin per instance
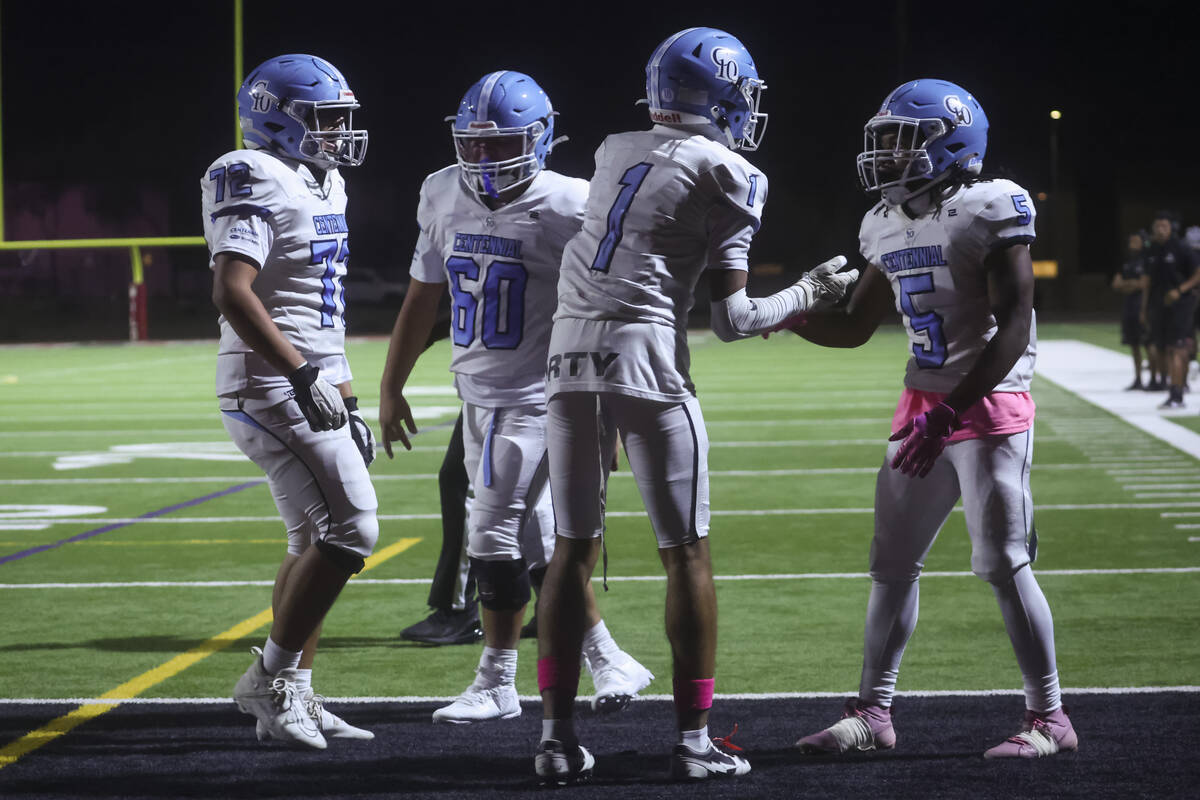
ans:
(361, 431)
(321, 403)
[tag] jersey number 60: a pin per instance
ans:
(503, 303)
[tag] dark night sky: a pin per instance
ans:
(126, 94)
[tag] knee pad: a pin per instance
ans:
(352, 563)
(356, 535)
(502, 585)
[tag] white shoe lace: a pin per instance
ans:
(283, 695)
(1039, 739)
(314, 704)
(853, 732)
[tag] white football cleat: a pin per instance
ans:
(480, 704)
(331, 725)
(275, 703)
(617, 679)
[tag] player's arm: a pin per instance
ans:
(735, 315)
(1011, 288)
(234, 297)
(418, 314)
(853, 325)
(1185, 287)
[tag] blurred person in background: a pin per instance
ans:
(1169, 303)
(1128, 282)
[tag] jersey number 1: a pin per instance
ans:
(630, 182)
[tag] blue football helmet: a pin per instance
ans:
(504, 112)
(706, 77)
(940, 135)
(299, 107)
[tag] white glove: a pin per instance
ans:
(823, 286)
(321, 404)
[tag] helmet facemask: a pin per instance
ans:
(491, 176)
(751, 134)
(329, 136)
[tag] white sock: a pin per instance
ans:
(697, 741)
(560, 730)
(598, 644)
(276, 658)
(891, 619)
(1031, 629)
(497, 667)
(303, 681)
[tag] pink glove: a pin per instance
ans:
(924, 438)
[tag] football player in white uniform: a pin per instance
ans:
(664, 206)
(275, 223)
(492, 230)
(950, 250)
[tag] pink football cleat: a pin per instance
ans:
(1041, 735)
(862, 727)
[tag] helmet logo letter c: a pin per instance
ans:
(262, 97)
(959, 110)
(727, 65)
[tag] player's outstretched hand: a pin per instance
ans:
(394, 417)
(925, 437)
(824, 285)
(361, 431)
(321, 403)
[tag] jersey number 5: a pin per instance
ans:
(933, 354)
(630, 182)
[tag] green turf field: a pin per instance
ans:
(119, 432)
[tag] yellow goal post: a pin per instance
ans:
(138, 328)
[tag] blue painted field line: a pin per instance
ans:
(148, 515)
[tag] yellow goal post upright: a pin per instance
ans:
(138, 325)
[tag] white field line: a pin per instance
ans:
(1186, 526)
(758, 512)
(1098, 460)
(1153, 471)
(881, 421)
(1194, 538)
(1164, 495)
(620, 475)
(657, 698)
(796, 576)
(1162, 486)
(1171, 514)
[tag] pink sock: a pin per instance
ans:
(553, 675)
(693, 695)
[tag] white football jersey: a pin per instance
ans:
(636, 262)
(277, 215)
(935, 265)
(502, 269)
